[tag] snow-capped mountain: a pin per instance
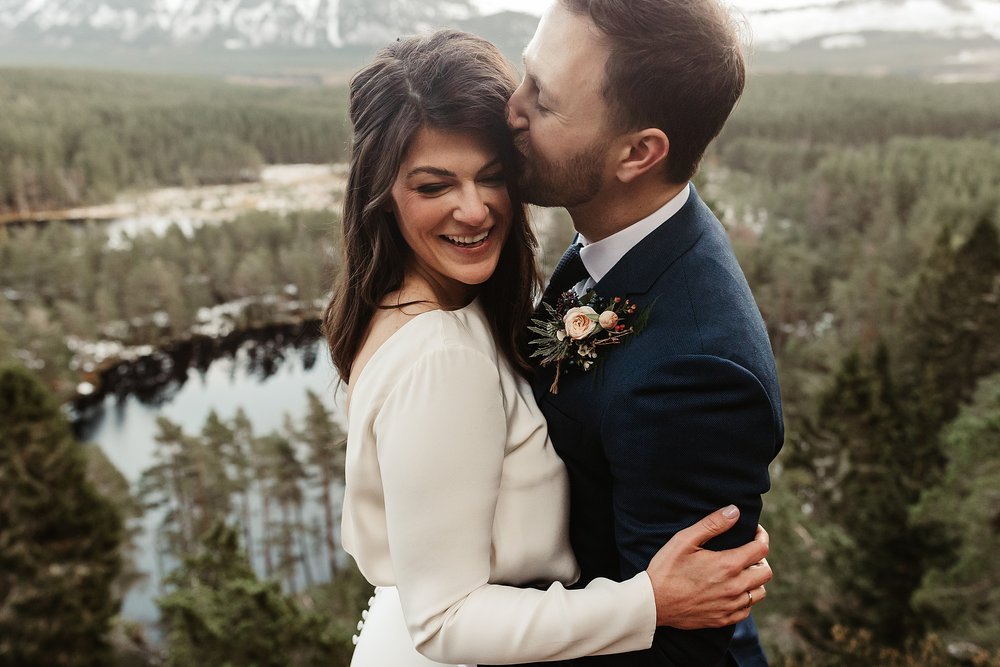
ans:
(234, 24)
(790, 21)
(784, 22)
(250, 24)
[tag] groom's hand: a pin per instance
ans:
(698, 588)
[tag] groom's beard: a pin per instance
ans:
(569, 182)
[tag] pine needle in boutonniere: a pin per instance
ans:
(571, 332)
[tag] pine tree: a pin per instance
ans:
(263, 456)
(954, 318)
(325, 443)
(238, 455)
(218, 613)
(164, 486)
(286, 475)
(962, 594)
(870, 474)
(189, 480)
(59, 540)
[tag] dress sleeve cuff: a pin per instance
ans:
(642, 588)
(635, 614)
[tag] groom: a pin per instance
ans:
(619, 100)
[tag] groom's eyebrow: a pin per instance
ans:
(538, 86)
(527, 74)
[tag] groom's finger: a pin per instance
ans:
(753, 577)
(711, 526)
(762, 536)
(739, 608)
(751, 553)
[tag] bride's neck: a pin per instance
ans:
(443, 294)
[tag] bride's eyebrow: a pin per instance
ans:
(438, 171)
(434, 171)
(495, 162)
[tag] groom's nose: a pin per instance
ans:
(516, 117)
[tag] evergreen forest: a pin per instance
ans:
(74, 138)
(866, 216)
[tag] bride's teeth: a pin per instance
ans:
(467, 240)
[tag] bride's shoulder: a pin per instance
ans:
(400, 337)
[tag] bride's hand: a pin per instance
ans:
(699, 588)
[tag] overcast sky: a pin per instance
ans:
(530, 6)
(798, 20)
(538, 6)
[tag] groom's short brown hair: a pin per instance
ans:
(676, 65)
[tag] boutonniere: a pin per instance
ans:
(571, 332)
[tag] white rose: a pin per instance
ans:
(608, 319)
(580, 322)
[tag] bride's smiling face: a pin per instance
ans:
(451, 203)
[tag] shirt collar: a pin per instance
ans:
(600, 257)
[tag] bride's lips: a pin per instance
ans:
(468, 242)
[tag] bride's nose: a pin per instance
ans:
(471, 209)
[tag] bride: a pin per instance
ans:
(456, 505)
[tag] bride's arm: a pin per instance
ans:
(440, 438)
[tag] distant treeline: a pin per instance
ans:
(826, 109)
(70, 137)
(62, 282)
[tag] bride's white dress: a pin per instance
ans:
(456, 510)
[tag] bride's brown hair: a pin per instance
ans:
(450, 81)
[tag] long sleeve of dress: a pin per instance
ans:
(440, 439)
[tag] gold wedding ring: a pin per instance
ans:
(749, 599)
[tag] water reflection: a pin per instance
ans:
(265, 373)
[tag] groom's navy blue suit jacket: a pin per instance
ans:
(680, 421)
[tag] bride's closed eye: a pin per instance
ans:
(496, 179)
(432, 188)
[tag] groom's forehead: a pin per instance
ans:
(559, 22)
(564, 45)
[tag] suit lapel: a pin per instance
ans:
(636, 272)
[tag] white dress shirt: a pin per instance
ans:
(600, 256)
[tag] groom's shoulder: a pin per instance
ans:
(708, 287)
(708, 271)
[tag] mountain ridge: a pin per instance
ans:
(331, 24)
(947, 40)
(231, 24)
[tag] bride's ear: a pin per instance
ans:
(643, 151)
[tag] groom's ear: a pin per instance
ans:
(643, 152)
